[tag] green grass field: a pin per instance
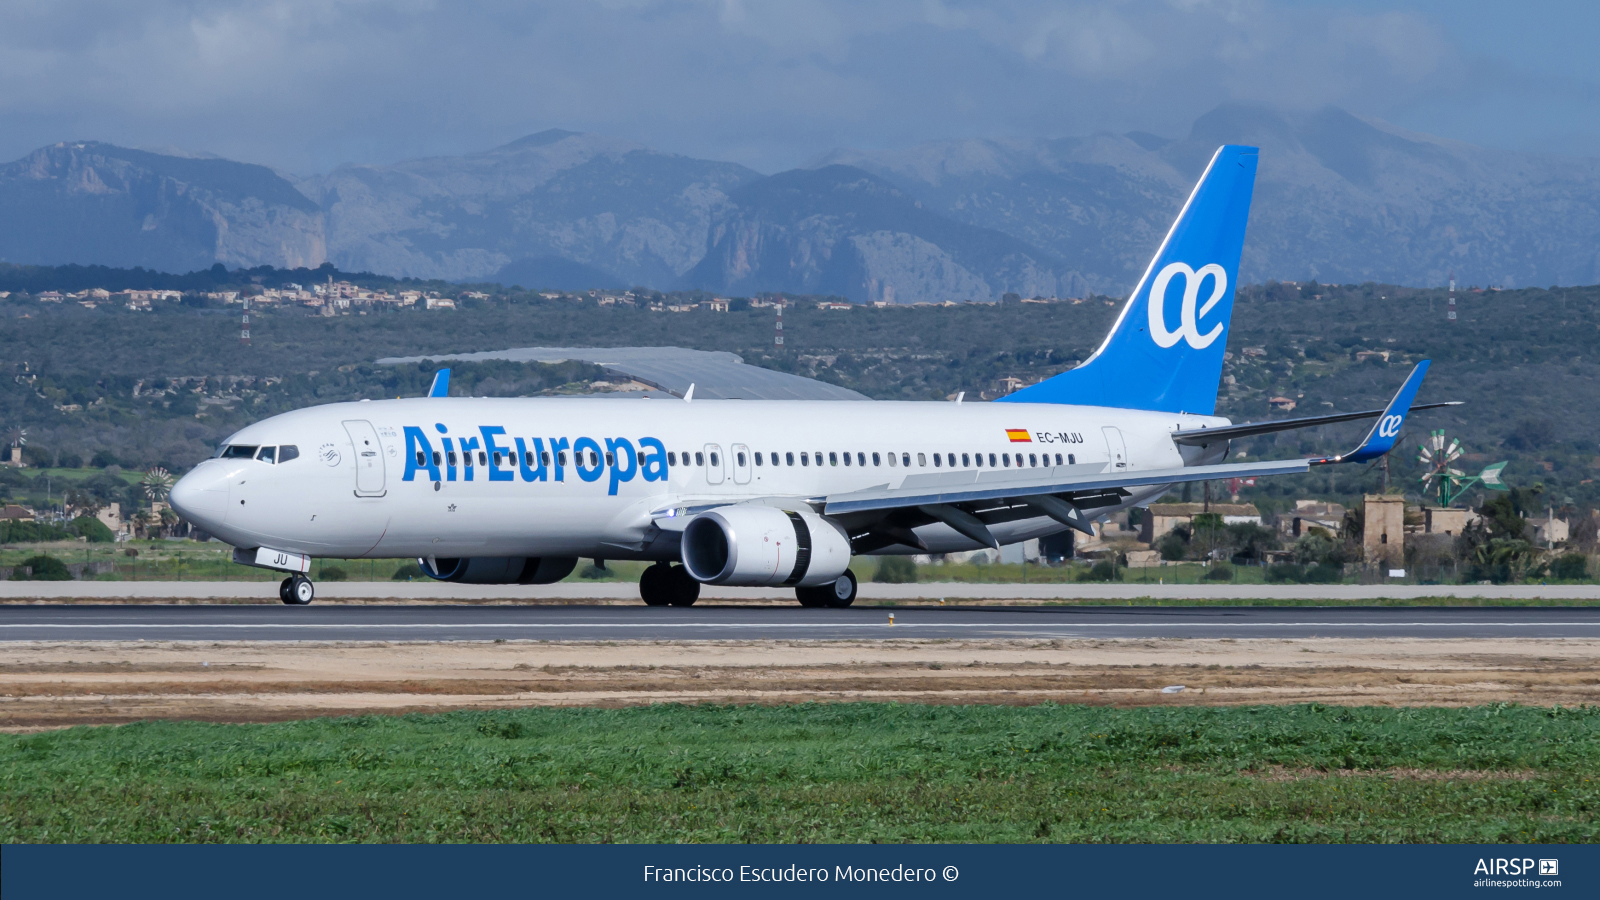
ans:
(822, 773)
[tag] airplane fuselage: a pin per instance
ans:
(586, 477)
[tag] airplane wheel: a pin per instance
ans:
(301, 591)
(655, 585)
(283, 592)
(842, 592)
(812, 598)
(685, 590)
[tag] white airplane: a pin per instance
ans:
(764, 493)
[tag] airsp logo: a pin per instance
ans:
(1188, 316)
(1390, 426)
(329, 454)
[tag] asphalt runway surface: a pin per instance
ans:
(614, 623)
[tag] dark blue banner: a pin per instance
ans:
(1189, 871)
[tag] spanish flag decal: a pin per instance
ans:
(1019, 435)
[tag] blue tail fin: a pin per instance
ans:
(1167, 355)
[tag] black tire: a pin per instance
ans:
(685, 590)
(655, 585)
(283, 592)
(811, 598)
(301, 591)
(842, 592)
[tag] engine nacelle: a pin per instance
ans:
(500, 569)
(762, 546)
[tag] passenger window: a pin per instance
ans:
(287, 452)
(847, 459)
(561, 458)
(452, 455)
(922, 459)
(936, 458)
(700, 458)
(1072, 459)
(992, 463)
(715, 461)
(833, 458)
(544, 457)
(893, 460)
(672, 457)
(268, 454)
(965, 462)
(877, 460)
(497, 459)
(789, 458)
(1005, 459)
(422, 458)
(905, 460)
(1058, 459)
(610, 459)
(483, 458)
(1033, 459)
(594, 460)
(466, 457)
(527, 459)
(803, 460)
(861, 459)
(758, 457)
(739, 459)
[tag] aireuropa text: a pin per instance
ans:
(793, 873)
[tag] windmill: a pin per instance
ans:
(15, 439)
(1443, 479)
(157, 483)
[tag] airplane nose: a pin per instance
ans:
(202, 496)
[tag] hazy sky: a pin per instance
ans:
(308, 84)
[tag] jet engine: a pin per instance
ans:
(499, 569)
(759, 546)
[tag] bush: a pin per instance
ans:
(895, 570)
(333, 573)
(1570, 567)
(407, 572)
(45, 568)
(93, 529)
(1325, 573)
(1220, 572)
(1104, 570)
(1173, 548)
(1281, 573)
(593, 571)
(32, 532)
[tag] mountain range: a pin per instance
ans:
(1339, 198)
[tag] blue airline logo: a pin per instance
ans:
(620, 459)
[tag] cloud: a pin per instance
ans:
(306, 84)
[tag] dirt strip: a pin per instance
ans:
(52, 685)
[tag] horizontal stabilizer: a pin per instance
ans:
(1380, 440)
(1201, 436)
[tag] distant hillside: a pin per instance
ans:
(1339, 198)
(610, 205)
(96, 203)
(839, 230)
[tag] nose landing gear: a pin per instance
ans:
(297, 590)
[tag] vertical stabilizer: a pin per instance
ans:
(1166, 354)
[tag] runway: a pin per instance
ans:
(621, 623)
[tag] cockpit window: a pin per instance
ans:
(268, 454)
(240, 451)
(288, 452)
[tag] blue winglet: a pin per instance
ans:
(441, 384)
(1380, 440)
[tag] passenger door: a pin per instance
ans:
(716, 469)
(741, 464)
(368, 457)
(1117, 447)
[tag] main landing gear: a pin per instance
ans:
(297, 590)
(664, 584)
(839, 594)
